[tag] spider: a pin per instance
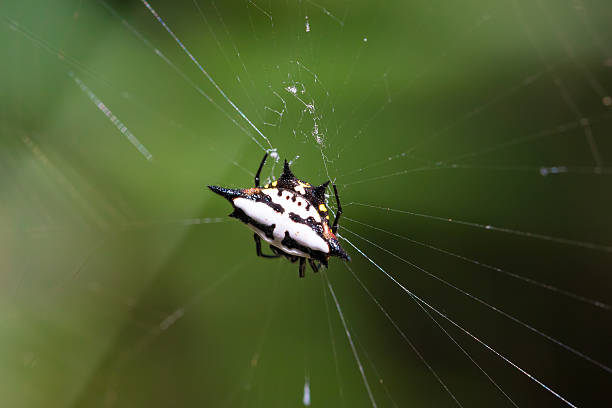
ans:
(291, 216)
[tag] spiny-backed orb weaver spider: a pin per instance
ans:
(291, 216)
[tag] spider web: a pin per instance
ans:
(470, 146)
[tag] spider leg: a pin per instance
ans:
(338, 211)
(302, 267)
(314, 265)
(279, 252)
(258, 248)
(263, 161)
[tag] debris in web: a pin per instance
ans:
(545, 171)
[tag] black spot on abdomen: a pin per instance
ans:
(265, 199)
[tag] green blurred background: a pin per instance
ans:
(123, 284)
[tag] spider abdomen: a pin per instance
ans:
(283, 229)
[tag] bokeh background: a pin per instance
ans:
(124, 284)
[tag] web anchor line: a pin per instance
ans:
(498, 354)
(350, 340)
(201, 68)
(527, 234)
(333, 345)
(552, 288)
(495, 309)
(405, 337)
